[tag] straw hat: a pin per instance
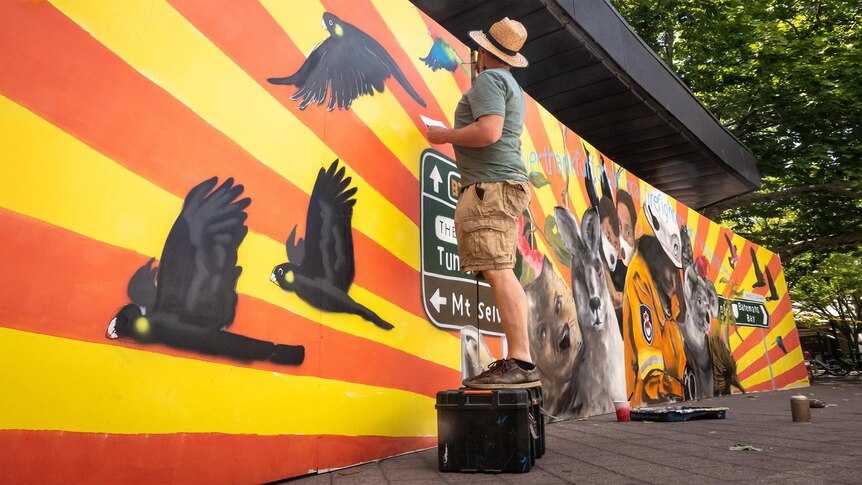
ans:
(505, 38)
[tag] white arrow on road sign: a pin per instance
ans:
(437, 300)
(435, 176)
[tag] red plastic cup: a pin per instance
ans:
(623, 411)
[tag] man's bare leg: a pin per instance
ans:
(512, 304)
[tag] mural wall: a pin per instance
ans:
(227, 253)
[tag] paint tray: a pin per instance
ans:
(677, 413)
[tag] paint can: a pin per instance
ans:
(800, 409)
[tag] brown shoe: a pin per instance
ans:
(504, 374)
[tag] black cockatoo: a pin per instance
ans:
(190, 299)
(605, 182)
(773, 291)
(320, 267)
(734, 257)
(758, 273)
(592, 192)
(607, 191)
(348, 64)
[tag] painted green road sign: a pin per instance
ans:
(451, 299)
(749, 313)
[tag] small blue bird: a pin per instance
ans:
(442, 55)
(780, 343)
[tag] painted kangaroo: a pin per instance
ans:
(599, 376)
(555, 337)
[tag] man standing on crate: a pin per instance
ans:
(489, 120)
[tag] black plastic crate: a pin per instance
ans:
(489, 431)
(539, 417)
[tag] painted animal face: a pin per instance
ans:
(701, 303)
(283, 275)
(127, 322)
(589, 286)
(333, 24)
(555, 336)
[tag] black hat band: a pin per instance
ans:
(496, 44)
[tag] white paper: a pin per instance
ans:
(431, 122)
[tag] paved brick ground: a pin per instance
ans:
(600, 450)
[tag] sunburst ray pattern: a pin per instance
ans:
(111, 112)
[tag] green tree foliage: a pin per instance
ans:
(829, 290)
(786, 78)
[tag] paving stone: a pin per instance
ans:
(358, 475)
(321, 479)
(481, 477)
(600, 450)
(358, 480)
(412, 474)
(728, 472)
(684, 462)
(404, 462)
(411, 481)
(537, 476)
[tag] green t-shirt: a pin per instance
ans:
(495, 92)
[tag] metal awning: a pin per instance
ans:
(593, 73)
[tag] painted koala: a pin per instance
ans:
(701, 308)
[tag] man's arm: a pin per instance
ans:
(482, 132)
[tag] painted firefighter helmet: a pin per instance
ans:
(662, 220)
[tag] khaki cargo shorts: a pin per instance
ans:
(486, 224)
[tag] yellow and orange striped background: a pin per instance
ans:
(109, 113)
